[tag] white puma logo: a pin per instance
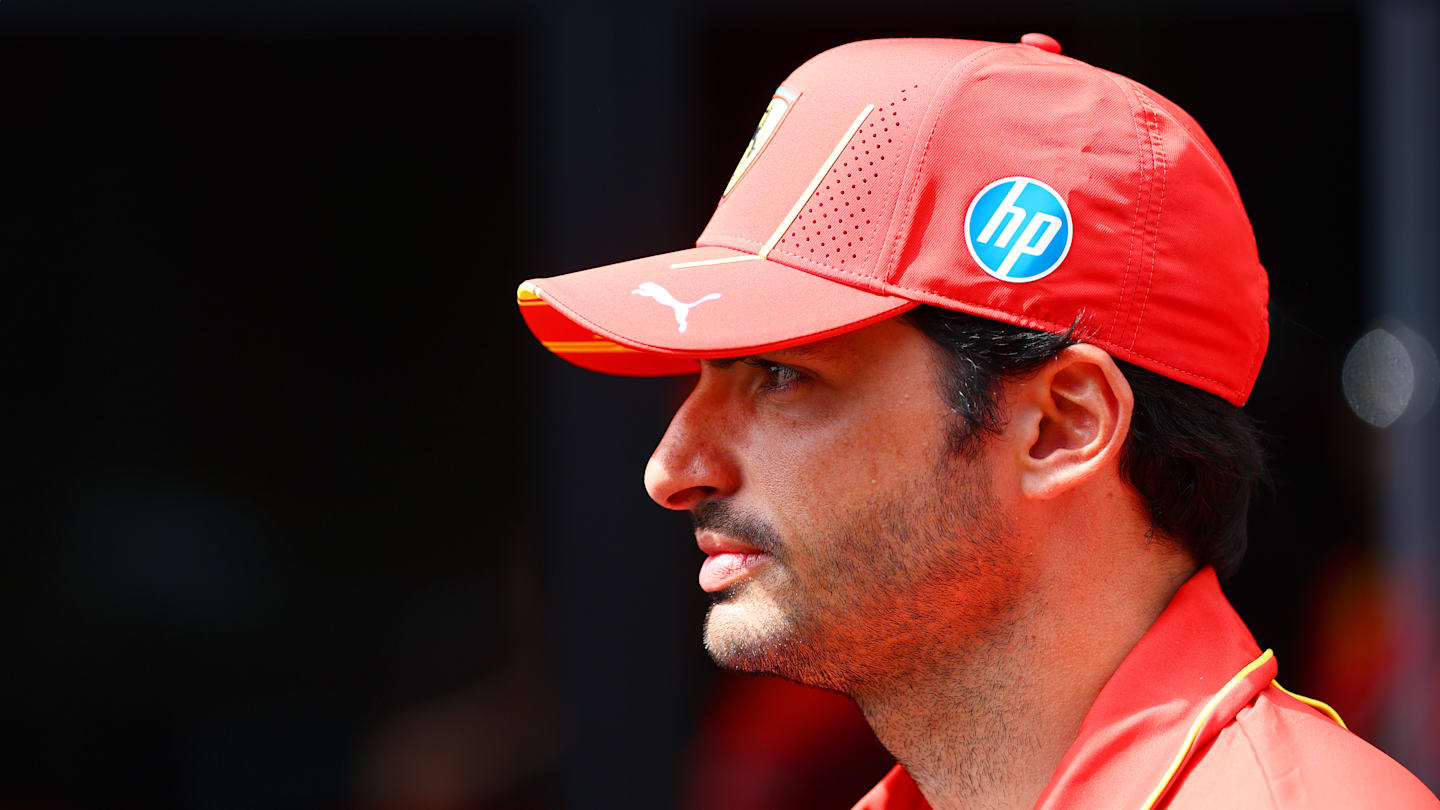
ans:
(650, 289)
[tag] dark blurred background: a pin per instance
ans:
(302, 517)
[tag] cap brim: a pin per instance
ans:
(661, 314)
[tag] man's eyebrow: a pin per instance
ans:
(805, 351)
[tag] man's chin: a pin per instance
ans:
(744, 633)
(740, 655)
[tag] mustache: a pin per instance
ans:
(722, 518)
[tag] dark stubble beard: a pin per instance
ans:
(901, 583)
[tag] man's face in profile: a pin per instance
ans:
(846, 538)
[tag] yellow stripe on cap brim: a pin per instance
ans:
(584, 346)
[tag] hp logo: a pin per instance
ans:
(1018, 229)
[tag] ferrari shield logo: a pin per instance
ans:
(775, 112)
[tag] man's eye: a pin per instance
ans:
(778, 376)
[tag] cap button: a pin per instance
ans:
(1044, 42)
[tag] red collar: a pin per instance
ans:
(1187, 677)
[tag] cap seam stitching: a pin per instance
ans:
(1196, 134)
(1117, 330)
(1200, 138)
(1157, 152)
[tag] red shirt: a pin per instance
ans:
(1193, 718)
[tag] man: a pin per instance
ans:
(973, 323)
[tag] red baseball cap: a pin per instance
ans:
(1002, 180)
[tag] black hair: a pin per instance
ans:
(1194, 458)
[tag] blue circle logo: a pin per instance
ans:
(1018, 229)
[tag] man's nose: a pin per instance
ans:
(695, 458)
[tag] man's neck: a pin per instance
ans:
(986, 725)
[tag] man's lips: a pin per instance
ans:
(728, 562)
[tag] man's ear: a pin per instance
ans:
(1071, 420)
